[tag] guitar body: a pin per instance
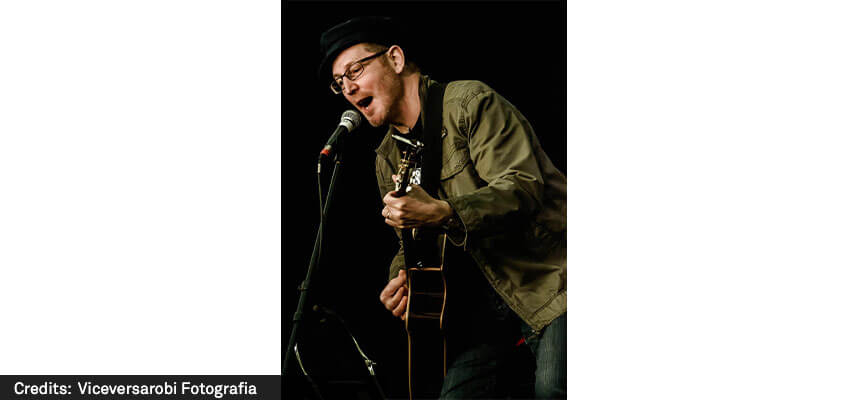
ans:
(427, 299)
(423, 250)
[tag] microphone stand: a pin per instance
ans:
(313, 263)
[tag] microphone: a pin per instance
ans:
(349, 121)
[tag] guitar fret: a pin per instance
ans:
(425, 315)
(433, 294)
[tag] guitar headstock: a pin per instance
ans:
(411, 150)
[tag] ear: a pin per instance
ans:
(396, 58)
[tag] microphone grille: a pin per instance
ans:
(353, 117)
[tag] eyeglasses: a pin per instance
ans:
(354, 71)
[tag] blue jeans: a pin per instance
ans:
(549, 350)
(488, 369)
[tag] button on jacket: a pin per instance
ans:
(507, 193)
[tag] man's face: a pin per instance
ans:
(376, 91)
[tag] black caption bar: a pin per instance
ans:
(200, 387)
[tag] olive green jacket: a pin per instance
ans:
(507, 194)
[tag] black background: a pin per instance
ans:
(516, 48)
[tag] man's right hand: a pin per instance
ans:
(394, 296)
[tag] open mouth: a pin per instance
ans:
(364, 103)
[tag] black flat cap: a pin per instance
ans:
(380, 30)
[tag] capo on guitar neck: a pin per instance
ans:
(414, 144)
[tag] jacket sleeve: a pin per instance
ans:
(501, 143)
(398, 261)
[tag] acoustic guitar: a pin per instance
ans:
(423, 250)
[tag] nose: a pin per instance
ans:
(348, 86)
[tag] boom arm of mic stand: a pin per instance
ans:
(304, 286)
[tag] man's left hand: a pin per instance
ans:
(416, 209)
